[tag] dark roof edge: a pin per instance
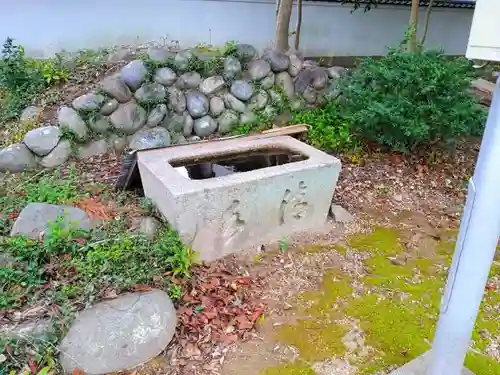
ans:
(461, 4)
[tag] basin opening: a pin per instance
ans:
(202, 168)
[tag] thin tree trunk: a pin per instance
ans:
(283, 24)
(412, 42)
(427, 17)
(299, 24)
(277, 7)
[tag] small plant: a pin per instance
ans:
(328, 130)
(409, 99)
(21, 79)
(54, 71)
(52, 188)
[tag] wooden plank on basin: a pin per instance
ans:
(129, 176)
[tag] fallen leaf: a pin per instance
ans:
(244, 280)
(186, 310)
(191, 350)
(228, 339)
(210, 314)
(81, 241)
(77, 371)
(33, 367)
(243, 322)
(109, 294)
(256, 315)
(95, 208)
(141, 288)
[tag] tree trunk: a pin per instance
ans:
(412, 41)
(299, 24)
(283, 24)
(427, 17)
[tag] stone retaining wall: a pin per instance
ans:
(170, 98)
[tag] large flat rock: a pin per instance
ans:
(119, 334)
(36, 218)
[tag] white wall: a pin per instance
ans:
(48, 26)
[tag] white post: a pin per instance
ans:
(474, 253)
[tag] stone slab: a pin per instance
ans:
(420, 366)
(119, 334)
(36, 218)
(221, 215)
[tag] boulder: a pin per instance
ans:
(109, 107)
(165, 76)
(178, 139)
(309, 95)
(205, 126)
(247, 118)
(211, 85)
(227, 121)
(35, 218)
(232, 67)
(242, 90)
(42, 140)
(336, 71)
(149, 227)
(216, 106)
(35, 330)
(134, 74)
(189, 80)
(259, 100)
(182, 60)
(150, 138)
(99, 124)
(151, 93)
(119, 334)
(175, 122)
(16, 158)
(157, 115)
(259, 69)
(159, 54)
(122, 54)
(88, 102)
(268, 81)
(285, 81)
(279, 61)
(58, 156)
(197, 104)
(94, 148)
(320, 79)
(117, 143)
(234, 103)
(176, 100)
(115, 87)
(69, 119)
(245, 52)
(30, 113)
(187, 130)
(295, 65)
(128, 118)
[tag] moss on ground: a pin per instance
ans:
(291, 368)
(397, 311)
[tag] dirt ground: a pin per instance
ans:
(421, 201)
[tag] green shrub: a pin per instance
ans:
(405, 100)
(21, 79)
(329, 130)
